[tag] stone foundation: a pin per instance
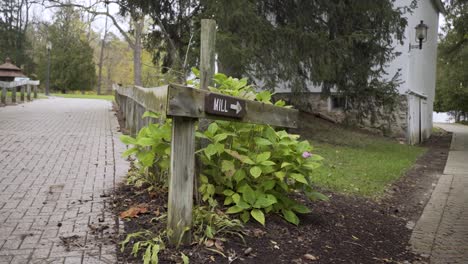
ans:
(392, 124)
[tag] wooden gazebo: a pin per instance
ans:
(8, 73)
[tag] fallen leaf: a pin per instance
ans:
(157, 213)
(310, 257)
(153, 195)
(257, 232)
(248, 251)
(209, 243)
(212, 258)
(219, 245)
(355, 238)
(134, 212)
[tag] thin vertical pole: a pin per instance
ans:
(48, 72)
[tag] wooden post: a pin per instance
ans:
(182, 169)
(13, 95)
(28, 92)
(35, 91)
(207, 52)
(22, 93)
(181, 182)
(4, 93)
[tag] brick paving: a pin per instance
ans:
(442, 231)
(59, 158)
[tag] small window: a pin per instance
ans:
(337, 102)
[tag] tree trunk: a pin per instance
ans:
(137, 49)
(101, 56)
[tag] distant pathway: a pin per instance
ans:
(442, 231)
(58, 160)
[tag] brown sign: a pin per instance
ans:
(217, 104)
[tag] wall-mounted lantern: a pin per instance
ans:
(421, 35)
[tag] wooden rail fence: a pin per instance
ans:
(26, 86)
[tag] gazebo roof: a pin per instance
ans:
(8, 69)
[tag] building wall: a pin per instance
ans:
(418, 74)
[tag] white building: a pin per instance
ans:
(418, 74)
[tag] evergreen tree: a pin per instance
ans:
(342, 44)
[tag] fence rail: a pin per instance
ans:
(25, 86)
(134, 101)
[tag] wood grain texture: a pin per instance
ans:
(207, 52)
(182, 170)
(28, 92)
(190, 102)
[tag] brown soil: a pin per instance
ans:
(345, 230)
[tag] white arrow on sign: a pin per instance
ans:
(236, 107)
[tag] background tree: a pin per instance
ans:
(14, 21)
(452, 74)
(292, 43)
(71, 59)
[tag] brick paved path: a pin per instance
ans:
(58, 159)
(442, 231)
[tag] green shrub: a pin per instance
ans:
(253, 169)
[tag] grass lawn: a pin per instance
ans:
(85, 96)
(357, 162)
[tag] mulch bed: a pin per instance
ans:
(344, 230)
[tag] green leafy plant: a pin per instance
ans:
(254, 167)
(208, 223)
(152, 150)
(145, 241)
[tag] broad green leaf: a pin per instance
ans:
(300, 208)
(227, 165)
(236, 198)
(265, 201)
(262, 141)
(255, 171)
(290, 216)
(263, 156)
(239, 175)
(220, 137)
(196, 72)
(298, 177)
(228, 200)
(303, 146)
(127, 140)
(129, 152)
(316, 196)
(151, 114)
(219, 148)
(228, 192)
(280, 175)
(286, 164)
(258, 215)
(212, 128)
(248, 194)
(146, 158)
(240, 157)
(267, 163)
(200, 135)
(245, 216)
(268, 185)
(234, 210)
(145, 141)
(203, 179)
(210, 150)
(185, 259)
